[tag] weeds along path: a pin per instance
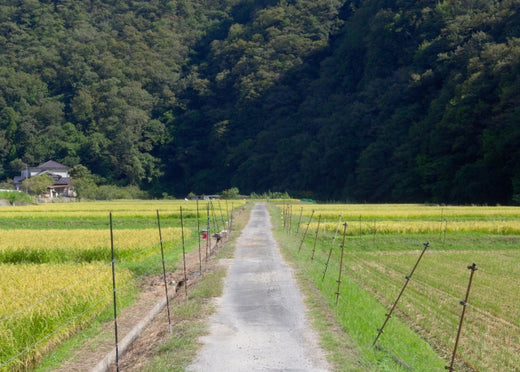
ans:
(260, 323)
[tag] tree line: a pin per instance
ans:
(357, 100)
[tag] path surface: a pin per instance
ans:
(260, 324)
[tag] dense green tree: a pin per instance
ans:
(372, 100)
(38, 185)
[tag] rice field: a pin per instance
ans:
(382, 245)
(55, 263)
(407, 212)
(80, 245)
(126, 214)
(43, 304)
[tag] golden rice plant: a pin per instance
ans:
(122, 208)
(44, 303)
(364, 212)
(498, 227)
(365, 219)
(80, 244)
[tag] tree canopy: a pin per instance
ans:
(362, 100)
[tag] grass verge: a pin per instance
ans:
(352, 323)
(191, 318)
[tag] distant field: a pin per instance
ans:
(79, 245)
(127, 214)
(382, 245)
(55, 263)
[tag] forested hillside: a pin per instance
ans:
(366, 100)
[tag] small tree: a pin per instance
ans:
(83, 182)
(231, 193)
(38, 185)
(15, 196)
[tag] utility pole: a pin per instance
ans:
(27, 179)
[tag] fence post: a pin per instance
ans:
(184, 258)
(208, 243)
(464, 302)
(299, 220)
(332, 246)
(228, 223)
(316, 238)
(284, 217)
(341, 262)
(221, 216)
(408, 277)
(164, 274)
(289, 217)
(231, 220)
(114, 290)
(214, 216)
(198, 234)
(305, 233)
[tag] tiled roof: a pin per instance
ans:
(51, 164)
(62, 181)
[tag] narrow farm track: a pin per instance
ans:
(261, 322)
(91, 353)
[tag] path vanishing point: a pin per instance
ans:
(260, 323)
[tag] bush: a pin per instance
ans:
(111, 192)
(38, 185)
(15, 197)
(271, 195)
(231, 193)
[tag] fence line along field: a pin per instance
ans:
(127, 214)
(55, 264)
(382, 246)
(409, 212)
(363, 227)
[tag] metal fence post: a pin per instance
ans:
(114, 290)
(464, 302)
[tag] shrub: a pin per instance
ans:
(15, 197)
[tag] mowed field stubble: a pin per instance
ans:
(382, 245)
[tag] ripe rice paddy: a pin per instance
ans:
(43, 304)
(79, 245)
(55, 264)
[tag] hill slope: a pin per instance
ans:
(367, 100)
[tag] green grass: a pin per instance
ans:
(421, 332)
(189, 324)
(360, 315)
(192, 317)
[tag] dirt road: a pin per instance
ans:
(260, 324)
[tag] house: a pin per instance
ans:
(59, 172)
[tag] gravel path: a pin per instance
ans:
(260, 324)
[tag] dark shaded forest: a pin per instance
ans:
(357, 100)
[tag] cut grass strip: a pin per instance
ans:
(360, 315)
